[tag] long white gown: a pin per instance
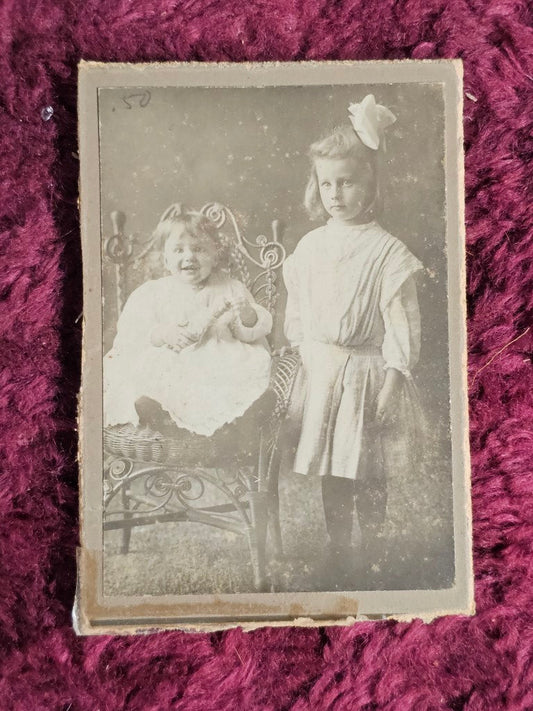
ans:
(207, 384)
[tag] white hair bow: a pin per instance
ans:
(369, 120)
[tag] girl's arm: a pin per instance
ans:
(139, 326)
(138, 317)
(293, 325)
(401, 318)
(401, 344)
(245, 312)
(251, 321)
(173, 335)
(393, 379)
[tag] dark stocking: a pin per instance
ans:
(371, 502)
(338, 500)
(339, 496)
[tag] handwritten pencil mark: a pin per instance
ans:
(141, 99)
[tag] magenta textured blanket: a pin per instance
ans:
(481, 663)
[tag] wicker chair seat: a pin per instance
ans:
(184, 449)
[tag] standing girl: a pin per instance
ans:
(352, 312)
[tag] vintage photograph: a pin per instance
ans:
(273, 417)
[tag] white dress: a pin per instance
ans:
(207, 384)
(352, 309)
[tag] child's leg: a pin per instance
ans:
(338, 499)
(371, 496)
(150, 413)
(371, 503)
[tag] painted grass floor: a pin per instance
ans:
(191, 558)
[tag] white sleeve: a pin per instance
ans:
(137, 319)
(401, 317)
(263, 325)
(293, 325)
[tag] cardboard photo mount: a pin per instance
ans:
(97, 612)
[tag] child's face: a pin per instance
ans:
(190, 258)
(343, 189)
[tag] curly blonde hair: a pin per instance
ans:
(196, 224)
(342, 142)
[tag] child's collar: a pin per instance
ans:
(350, 225)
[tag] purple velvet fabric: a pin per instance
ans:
(480, 663)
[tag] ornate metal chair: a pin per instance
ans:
(153, 478)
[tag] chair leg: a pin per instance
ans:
(274, 525)
(273, 505)
(257, 538)
(126, 531)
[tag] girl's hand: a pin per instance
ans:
(386, 395)
(178, 337)
(244, 311)
(382, 406)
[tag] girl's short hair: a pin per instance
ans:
(342, 142)
(196, 224)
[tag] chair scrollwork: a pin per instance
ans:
(263, 256)
(266, 254)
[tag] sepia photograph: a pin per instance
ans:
(273, 416)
